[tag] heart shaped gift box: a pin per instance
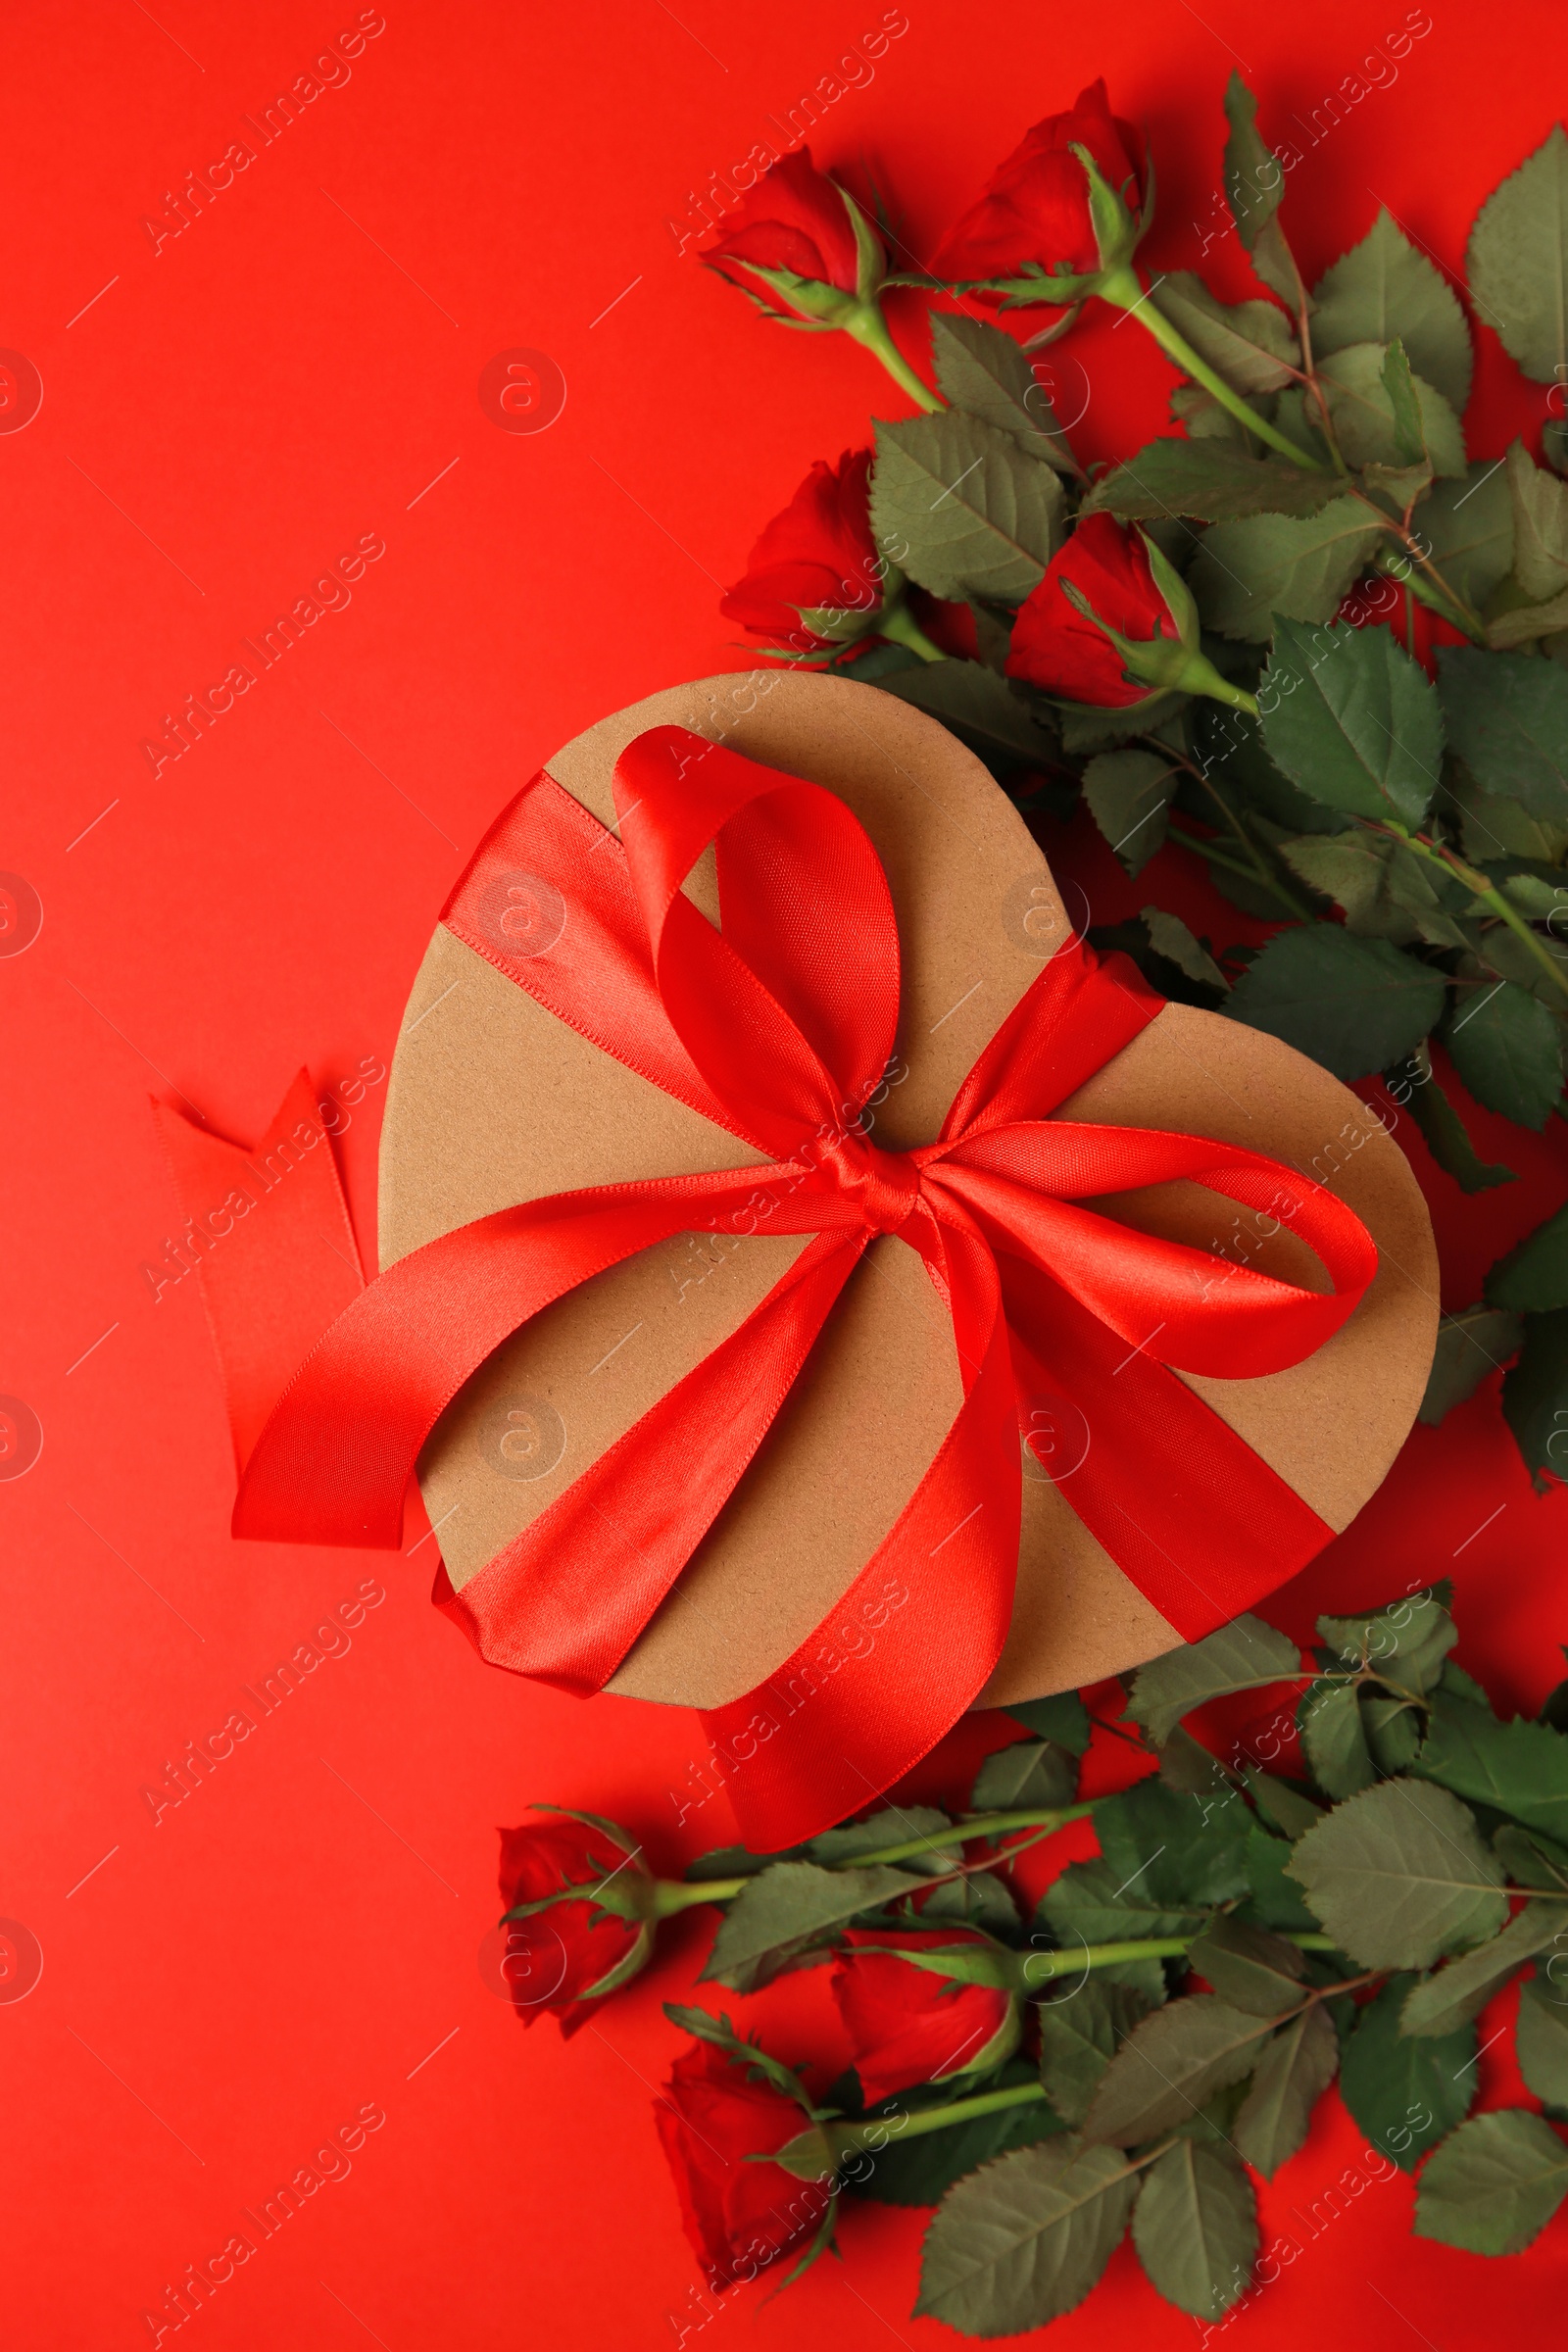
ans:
(844, 1415)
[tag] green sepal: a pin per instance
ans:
(1116, 232)
(986, 1963)
(722, 2034)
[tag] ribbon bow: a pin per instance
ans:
(780, 1027)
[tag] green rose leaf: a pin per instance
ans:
(1031, 1772)
(1203, 420)
(1517, 262)
(1534, 1276)
(984, 372)
(1248, 343)
(1207, 479)
(1245, 1655)
(1129, 796)
(1507, 1050)
(1507, 720)
(1522, 624)
(1519, 1768)
(1170, 2064)
(879, 662)
(963, 508)
(787, 1910)
(1178, 1851)
(1468, 526)
(1392, 1733)
(1455, 1684)
(1405, 2090)
(1540, 2038)
(1405, 1642)
(1022, 2240)
(1540, 502)
(1385, 890)
(1399, 1875)
(1247, 1967)
(1535, 1398)
(1400, 485)
(1384, 289)
(1365, 421)
(1459, 1993)
(1294, 2069)
(1085, 730)
(1529, 1858)
(1411, 471)
(1247, 572)
(1334, 1738)
(1169, 937)
(1416, 1090)
(1274, 1901)
(1064, 1718)
(980, 707)
(1079, 2035)
(979, 1899)
(1254, 182)
(1192, 1769)
(1349, 717)
(1194, 2227)
(1354, 1005)
(1495, 2184)
(1228, 747)
(1286, 1808)
(1091, 1902)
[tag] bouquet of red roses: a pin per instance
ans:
(1335, 1886)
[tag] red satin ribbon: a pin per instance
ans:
(779, 1027)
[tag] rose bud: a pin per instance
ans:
(908, 2024)
(816, 579)
(722, 2108)
(1061, 221)
(1113, 623)
(1037, 219)
(805, 242)
(803, 251)
(584, 1907)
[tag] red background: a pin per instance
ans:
(226, 415)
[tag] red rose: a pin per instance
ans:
(909, 2025)
(714, 2113)
(1036, 205)
(798, 221)
(566, 1952)
(817, 556)
(1059, 647)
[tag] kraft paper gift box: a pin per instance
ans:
(494, 1100)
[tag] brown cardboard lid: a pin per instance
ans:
(493, 1102)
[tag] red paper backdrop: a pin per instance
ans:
(223, 413)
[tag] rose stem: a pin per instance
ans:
(961, 1833)
(1121, 286)
(1428, 584)
(899, 623)
(1041, 1967)
(846, 2140)
(1481, 889)
(868, 326)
